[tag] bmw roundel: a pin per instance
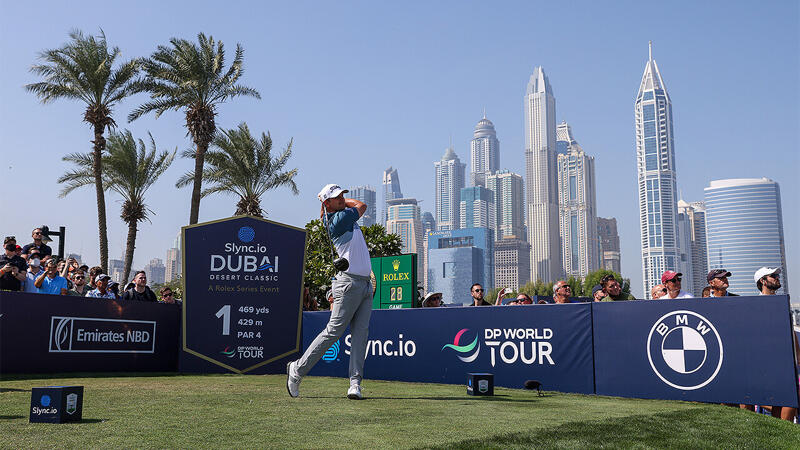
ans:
(684, 350)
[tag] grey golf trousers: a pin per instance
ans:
(352, 305)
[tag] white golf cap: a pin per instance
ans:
(760, 273)
(429, 296)
(330, 191)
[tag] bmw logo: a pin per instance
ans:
(684, 350)
(246, 234)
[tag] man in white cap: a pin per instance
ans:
(432, 300)
(768, 280)
(352, 292)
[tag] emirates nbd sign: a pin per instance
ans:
(395, 281)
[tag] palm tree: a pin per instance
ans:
(243, 166)
(190, 76)
(130, 171)
(83, 70)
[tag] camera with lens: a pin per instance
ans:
(341, 264)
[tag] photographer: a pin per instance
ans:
(352, 291)
(12, 267)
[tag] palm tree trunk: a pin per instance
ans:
(129, 247)
(198, 181)
(99, 145)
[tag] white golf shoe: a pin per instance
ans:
(292, 381)
(354, 393)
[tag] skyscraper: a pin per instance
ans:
(576, 206)
(609, 244)
(428, 226)
(405, 221)
(512, 261)
(173, 264)
(694, 215)
(484, 152)
(449, 176)
(509, 202)
(744, 227)
(391, 190)
(476, 208)
(655, 157)
(155, 271)
(365, 194)
(541, 185)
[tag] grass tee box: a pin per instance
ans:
(235, 411)
(56, 404)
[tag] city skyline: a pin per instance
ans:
(436, 90)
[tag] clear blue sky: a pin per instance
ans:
(364, 85)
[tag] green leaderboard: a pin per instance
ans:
(395, 281)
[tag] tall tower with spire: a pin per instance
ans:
(541, 178)
(449, 179)
(485, 152)
(391, 190)
(655, 160)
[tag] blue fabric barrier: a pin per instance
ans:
(549, 343)
(731, 350)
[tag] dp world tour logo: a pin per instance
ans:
(456, 345)
(684, 350)
(332, 352)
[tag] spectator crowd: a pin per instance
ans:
(33, 268)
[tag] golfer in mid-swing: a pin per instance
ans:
(352, 292)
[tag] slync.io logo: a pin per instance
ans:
(332, 353)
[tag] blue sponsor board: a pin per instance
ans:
(731, 350)
(549, 343)
(242, 302)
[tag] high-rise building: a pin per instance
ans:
(155, 271)
(116, 267)
(405, 221)
(459, 258)
(655, 157)
(367, 195)
(173, 263)
(541, 183)
(476, 208)
(512, 261)
(576, 206)
(694, 216)
(391, 190)
(609, 244)
(484, 152)
(449, 177)
(744, 228)
(428, 223)
(509, 202)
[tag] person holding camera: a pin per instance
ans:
(351, 287)
(12, 267)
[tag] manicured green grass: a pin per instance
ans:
(255, 411)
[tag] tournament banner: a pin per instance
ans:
(722, 350)
(549, 343)
(243, 286)
(42, 333)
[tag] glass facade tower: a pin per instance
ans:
(391, 190)
(509, 202)
(744, 228)
(655, 159)
(367, 195)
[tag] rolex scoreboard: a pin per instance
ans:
(395, 281)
